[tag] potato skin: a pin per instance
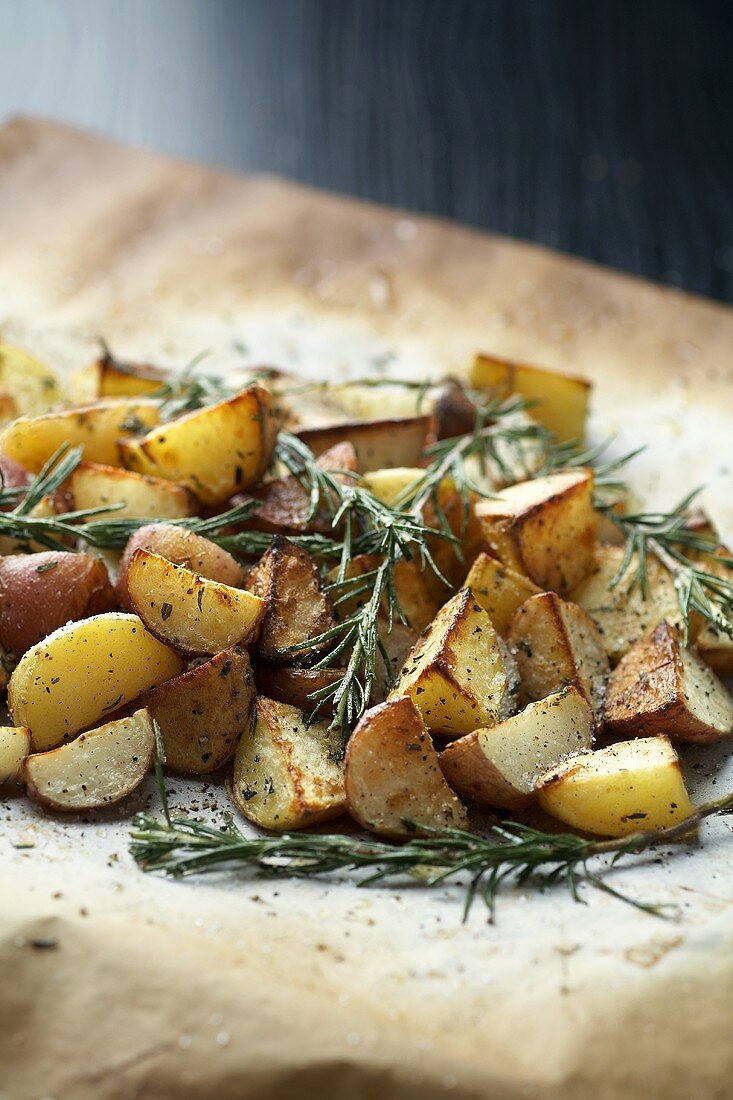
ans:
(14, 476)
(392, 773)
(41, 592)
(287, 578)
(202, 713)
(181, 547)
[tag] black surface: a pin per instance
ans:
(601, 127)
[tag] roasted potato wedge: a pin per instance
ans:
(545, 529)
(661, 687)
(287, 579)
(109, 377)
(202, 713)
(31, 441)
(500, 765)
(378, 443)
(33, 386)
(83, 671)
(389, 484)
(97, 769)
(41, 592)
(15, 744)
(286, 684)
(561, 399)
(556, 644)
(95, 486)
(455, 674)
(619, 790)
(412, 587)
(182, 547)
(500, 590)
(216, 451)
(623, 615)
(393, 776)
(398, 643)
(195, 615)
(285, 505)
(288, 775)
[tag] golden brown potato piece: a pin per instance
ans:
(287, 579)
(15, 744)
(202, 713)
(557, 644)
(499, 590)
(93, 485)
(97, 769)
(623, 616)
(393, 776)
(109, 377)
(41, 592)
(216, 451)
(286, 684)
(622, 789)
(288, 775)
(378, 443)
(561, 399)
(83, 672)
(499, 766)
(546, 528)
(455, 674)
(713, 645)
(182, 547)
(454, 411)
(192, 614)
(34, 387)
(31, 441)
(661, 687)
(285, 504)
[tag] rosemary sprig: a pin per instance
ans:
(510, 853)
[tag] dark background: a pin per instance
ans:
(601, 127)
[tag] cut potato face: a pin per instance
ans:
(545, 529)
(97, 769)
(41, 592)
(32, 385)
(95, 486)
(216, 451)
(500, 765)
(108, 377)
(189, 612)
(393, 776)
(286, 684)
(623, 789)
(623, 616)
(556, 644)
(97, 428)
(287, 579)
(182, 547)
(15, 744)
(288, 775)
(388, 485)
(561, 399)
(661, 687)
(500, 590)
(378, 443)
(85, 670)
(455, 674)
(412, 587)
(202, 713)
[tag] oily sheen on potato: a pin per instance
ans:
(15, 744)
(191, 613)
(84, 670)
(622, 789)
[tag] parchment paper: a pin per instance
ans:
(117, 985)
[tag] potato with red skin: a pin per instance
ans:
(41, 592)
(182, 547)
(14, 476)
